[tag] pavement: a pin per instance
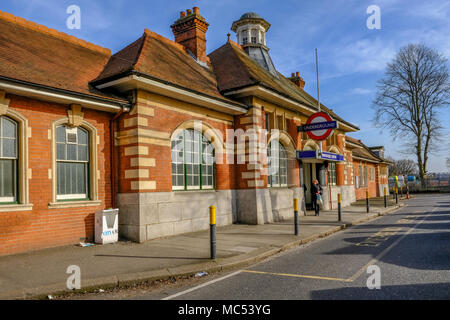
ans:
(41, 273)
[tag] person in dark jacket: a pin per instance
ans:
(316, 190)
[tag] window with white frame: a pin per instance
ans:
(8, 160)
(192, 161)
(332, 177)
(72, 163)
(278, 165)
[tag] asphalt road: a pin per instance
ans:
(410, 247)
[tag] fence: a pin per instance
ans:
(437, 183)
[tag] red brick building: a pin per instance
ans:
(160, 130)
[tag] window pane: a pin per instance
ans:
(81, 178)
(174, 180)
(61, 151)
(7, 178)
(9, 148)
(61, 134)
(83, 153)
(82, 136)
(71, 152)
(61, 178)
(72, 179)
(8, 128)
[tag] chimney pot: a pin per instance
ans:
(297, 80)
(191, 33)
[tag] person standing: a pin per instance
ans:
(316, 191)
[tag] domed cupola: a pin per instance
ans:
(251, 31)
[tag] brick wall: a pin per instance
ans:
(44, 227)
(372, 185)
(145, 144)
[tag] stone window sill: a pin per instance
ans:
(16, 207)
(74, 204)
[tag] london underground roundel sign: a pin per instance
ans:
(320, 126)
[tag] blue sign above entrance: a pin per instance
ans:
(332, 156)
(312, 154)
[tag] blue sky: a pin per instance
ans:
(352, 57)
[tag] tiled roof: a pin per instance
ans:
(38, 55)
(235, 69)
(163, 59)
(364, 151)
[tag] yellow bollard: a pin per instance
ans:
(296, 217)
(212, 219)
(212, 215)
(339, 207)
(367, 201)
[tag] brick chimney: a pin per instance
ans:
(190, 31)
(297, 80)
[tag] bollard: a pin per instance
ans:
(385, 197)
(296, 216)
(396, 195)
(212, 218)
(407, 192)
(367, 201)
(339, 207)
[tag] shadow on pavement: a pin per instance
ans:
(147, 257)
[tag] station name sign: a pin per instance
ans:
(318, 126)
(315, 155)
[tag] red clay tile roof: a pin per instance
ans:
(364, 152)
(163, 59)
(36, 54)
(235, 69)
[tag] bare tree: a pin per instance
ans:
(402, 167)
(415, 86)
(448, 164)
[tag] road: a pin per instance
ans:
(411, 248)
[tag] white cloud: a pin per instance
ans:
(361, 91)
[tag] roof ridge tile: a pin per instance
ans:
(52, 32)
(157, 36)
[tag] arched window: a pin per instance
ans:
(72, 163)
(278, 165)
(8, 160)
(192, 161)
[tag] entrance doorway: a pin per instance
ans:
(310, 173)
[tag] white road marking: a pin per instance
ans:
(201, 286)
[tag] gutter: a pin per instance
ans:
(38, 91)
(364, 159)
(172, 90)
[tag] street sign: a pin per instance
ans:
(315, 155)
(319, 126)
